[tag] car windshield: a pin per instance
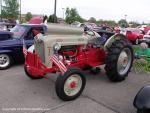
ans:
(18, 31)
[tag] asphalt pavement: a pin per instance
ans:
(19, 94)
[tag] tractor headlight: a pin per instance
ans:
(57, 47)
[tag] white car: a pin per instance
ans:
(146, 38)
(77, 24)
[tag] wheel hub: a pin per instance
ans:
(4, 60)
(73, 85)
(124, 61)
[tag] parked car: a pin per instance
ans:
(146, 38)
(77, 24)
(11, 43)
(133, 34)
(6, 25)
(3, 27)
(144, 28)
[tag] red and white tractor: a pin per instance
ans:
(70, 55)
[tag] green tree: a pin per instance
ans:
(134, 24)
(67, 13)
(45, 17)
(111, 23)
(92, 20)
(28, 16)
(72, 15)
(123, 23)
(52, 18)
(10, 10)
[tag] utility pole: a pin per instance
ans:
(55, 6)
(20, 11)
(63, 13)
(125, 17)
(1, 8)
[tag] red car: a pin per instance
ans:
(133, 34)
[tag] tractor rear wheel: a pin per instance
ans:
(70, 85)
(30, 75)
(119, 60)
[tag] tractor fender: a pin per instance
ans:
(112, 39)
(142, 99)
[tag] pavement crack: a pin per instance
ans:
(102, 104)
(56, 107)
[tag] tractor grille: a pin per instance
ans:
(39, 49)
(44, 51)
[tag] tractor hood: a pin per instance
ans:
(63, 40)
(44, 44)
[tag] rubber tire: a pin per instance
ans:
(31, 76)
(59, 84)
(10, 62)
(112, 58)
(143, 111)
(139, 111)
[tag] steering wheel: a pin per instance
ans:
(91, 33)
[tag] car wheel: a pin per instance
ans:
(30, 75)
(70, 85)
(119, 60)
(5, 61)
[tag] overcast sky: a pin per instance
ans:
(136, 10)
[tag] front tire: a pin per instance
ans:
(30, 75)
(70, 85)
(5, 61)
(119, 60)
(143, 111)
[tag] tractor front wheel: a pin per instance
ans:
(70, 85)
(119, 60)
(30, 75)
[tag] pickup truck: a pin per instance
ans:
(11, 43)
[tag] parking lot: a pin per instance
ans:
(19, 94)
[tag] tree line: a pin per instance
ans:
(72, 15)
